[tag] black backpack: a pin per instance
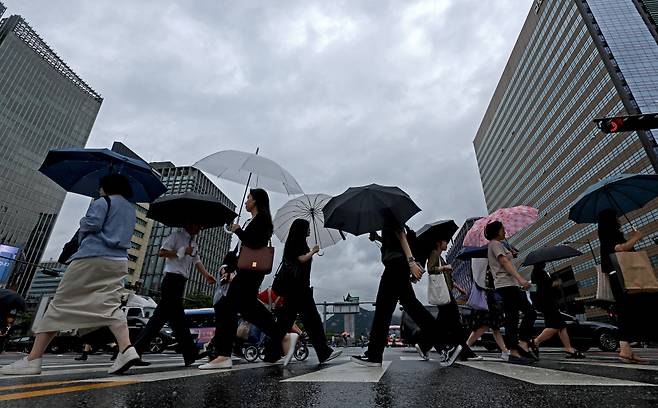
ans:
(71, 247)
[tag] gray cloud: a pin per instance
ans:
(340, 93)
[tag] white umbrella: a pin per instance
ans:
(308, 207)
(249, 168)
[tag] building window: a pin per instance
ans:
(138, 234)
(141, 222)
(135, 245)
(132, 258)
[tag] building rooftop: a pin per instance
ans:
(22, 30)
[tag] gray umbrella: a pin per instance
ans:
(550, 254)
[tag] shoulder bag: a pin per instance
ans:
(634, 271)
(257, 260)
(71, 247)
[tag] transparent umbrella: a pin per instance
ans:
(250, 169)
(308, 207)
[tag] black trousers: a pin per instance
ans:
(395, 286)
(515, 302)
(170, 309)
(452, 331)
(300, 301)
(242, 298)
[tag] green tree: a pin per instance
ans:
(197, 301)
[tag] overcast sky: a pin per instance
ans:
(340, 93)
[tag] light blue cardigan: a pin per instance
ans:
(111, 239)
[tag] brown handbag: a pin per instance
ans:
(634, 271)
(257, 260)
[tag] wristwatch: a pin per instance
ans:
(411, 259)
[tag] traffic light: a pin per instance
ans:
(628, 123)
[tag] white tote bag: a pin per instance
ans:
(438, 293)
(603, 290)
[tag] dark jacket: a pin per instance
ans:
(257, 234)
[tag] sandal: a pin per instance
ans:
(633, 359)
(575, 355)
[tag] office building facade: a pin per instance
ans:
(139, 242)
(574, 61)
(43, 105)
(45, 282)
(213, 243)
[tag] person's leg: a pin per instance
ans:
(500, 341)
(566, 340)
(545, 335)
(385, 302)
(120, 332)
(41, 342)
(511, 308)
(178, 321)
(430, 334)
(475, 335)
(226, 320)
(160, 315)
(526, 329)
(313, 324)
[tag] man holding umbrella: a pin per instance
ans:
(191, 212)
(361, 210)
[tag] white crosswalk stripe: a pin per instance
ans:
(347, 372)
(546, 376)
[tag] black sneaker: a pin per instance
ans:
(364, 360)
(528, 354)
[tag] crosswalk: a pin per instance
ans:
(65, 377)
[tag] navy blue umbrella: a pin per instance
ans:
(623, 193)
(80, 171)
(550, 254)
(468, 253)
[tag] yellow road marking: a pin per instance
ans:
(64, 390)
(35, 385)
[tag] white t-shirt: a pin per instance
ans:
(178, 241)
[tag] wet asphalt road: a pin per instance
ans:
(599, 381)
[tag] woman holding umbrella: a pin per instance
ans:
(612, 240)
(298, 294)
(89, 295)
(242, 295)
(510, 285)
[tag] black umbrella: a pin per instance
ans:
(10, 300)
(550, 254)
(439, 230)
(190, 208)
(360, 210)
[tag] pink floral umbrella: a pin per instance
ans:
(514, 219)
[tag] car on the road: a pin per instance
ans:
(21, 344)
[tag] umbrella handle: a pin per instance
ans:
(227, 229)
(321, 253)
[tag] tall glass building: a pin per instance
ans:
(574, 61)
(43, 105)
(213, 243)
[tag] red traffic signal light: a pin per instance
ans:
(628, 123)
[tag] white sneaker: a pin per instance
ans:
(505, 356)
(291, 348)
(222, 365)
(22, 367)
(476, 358)
(425, 356)
(124, 361)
